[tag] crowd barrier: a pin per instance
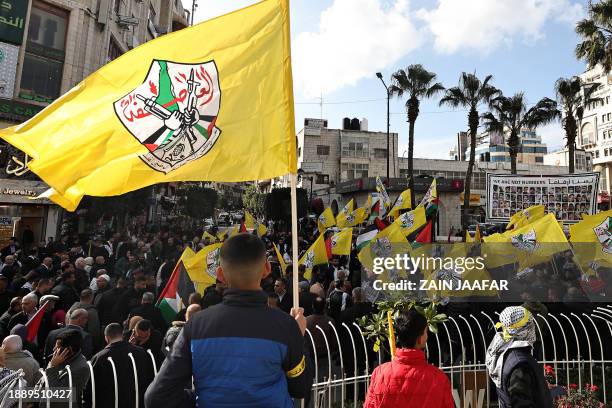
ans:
(578, 347)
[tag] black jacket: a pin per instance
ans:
(86, 349)
(67, 296)
(104, 380)
(106, 304)
(241, 353)
(151, 313)
(523, 382)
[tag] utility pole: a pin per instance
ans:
(194, 6)
(379, 75)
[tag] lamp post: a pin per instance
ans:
(379, 75)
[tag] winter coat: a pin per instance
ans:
(407, 382)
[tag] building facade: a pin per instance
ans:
(492, 147)
(330, 156)
(46, 48)
(595, 132)
(582, 159)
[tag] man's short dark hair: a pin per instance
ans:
(113, 330)
(67, 275)
(71, 338)
(140, 279)
(243, 250)
(86, 293)
(318, 305)
(409, 326)
(274, 296)
(144, 325)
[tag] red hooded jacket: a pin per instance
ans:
(409, 382)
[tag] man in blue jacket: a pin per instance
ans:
(240, 353)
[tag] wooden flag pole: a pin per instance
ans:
(294, 240)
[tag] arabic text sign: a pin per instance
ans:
(12, 20)
(566, 196)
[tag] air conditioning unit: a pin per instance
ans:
(126, 22)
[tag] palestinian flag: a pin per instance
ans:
(424, 236)
(175, 295)
(33, 324)
(364, 239)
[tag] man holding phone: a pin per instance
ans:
(67, 352)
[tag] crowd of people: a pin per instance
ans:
(97, 297)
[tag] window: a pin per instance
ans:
(299, 152)
(596, 154)
(608, 117)
(352, 171)
(380, 153)
(44, 57)
(607, 100)
(355, 149)
(117, 6)
(322, 150)
(603, 118)
(539, 159)
(605, 152)
(322, 179)
(113, 50)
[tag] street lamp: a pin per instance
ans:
(379, 75)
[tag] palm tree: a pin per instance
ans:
(417, 83)
(573, 95)
(596, 32)
(511, 114)
(470, 93)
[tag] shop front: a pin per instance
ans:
(21, 211)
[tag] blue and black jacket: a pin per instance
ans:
(241, 353)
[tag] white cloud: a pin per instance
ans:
(355, 39)
(213, 8)
(484, 25)
(553, 135)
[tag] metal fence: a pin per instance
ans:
(577, 346)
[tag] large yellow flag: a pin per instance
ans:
(210, 102)
(326, 220)
(592, 240)
(344, 213)
(412, 220)
(341, 242)
(403, 202)
(316, 255)
(351, 219)
(526, 216)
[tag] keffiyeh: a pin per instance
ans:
(518, 330)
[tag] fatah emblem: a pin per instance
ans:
(212, 261)
(309, 261)
(350, 218)
(322, 219)
(604, 235)
(407, 220)
(381, 248)
(526, 242)
(173, 113)
(334, 242)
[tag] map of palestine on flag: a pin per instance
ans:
(210, 102)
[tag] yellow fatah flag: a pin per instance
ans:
(411, 221)
(316, 255)
(368, 204)
(529, 245)
(351, 219)
(210, 236)
(261, 230)
(281, 260)
(348, 208)
(341, 242)
(526, 216)
(430, 195)
(476, 238)
(592, 240)
(326, 220)
(403, 202)
(386, 244)
(383, 196)
(202, 267)
(210, 102)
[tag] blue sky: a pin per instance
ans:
(339, 45)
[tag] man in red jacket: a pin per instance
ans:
(408, 381)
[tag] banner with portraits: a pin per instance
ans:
(566, 196)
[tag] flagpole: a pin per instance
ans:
(294, 239)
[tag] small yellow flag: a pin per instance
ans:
(526, 216)
(341, 242)
(326, 220)
(202, 267)
(210, 102)
(403, 202)
(210, 236)
(412, 220)
(316, 255)
(281, 260)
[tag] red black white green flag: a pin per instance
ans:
(175, 295)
